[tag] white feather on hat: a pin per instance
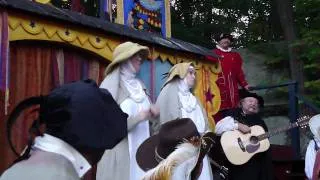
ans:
(166, 168)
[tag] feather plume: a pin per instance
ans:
(165, 168)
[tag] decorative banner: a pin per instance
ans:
(208, 92)
(147, 15)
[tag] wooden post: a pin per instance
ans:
(293, 115)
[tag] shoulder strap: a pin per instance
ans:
(316, 147)
(206, 143)
(237, 114)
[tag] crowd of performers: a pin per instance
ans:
(109, 126)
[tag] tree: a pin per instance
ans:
(198, 21)
(285, 11)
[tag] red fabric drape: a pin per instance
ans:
(316, 168)
(72, 68)
(30, 76)
(34, 72)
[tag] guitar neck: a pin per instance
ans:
(277, 131)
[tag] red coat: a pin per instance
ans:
(229, 78)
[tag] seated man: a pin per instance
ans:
(259, 167)
(176, 152)
(81, 121)
(312, 159)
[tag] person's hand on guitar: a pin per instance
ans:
(244, 128)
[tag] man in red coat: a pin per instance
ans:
(231, 75)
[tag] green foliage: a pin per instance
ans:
(198, 21)
(312, 91)
(257, 25)
(308, 45)
(313, 86)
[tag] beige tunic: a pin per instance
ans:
(170, 108)
(42, 165)
(170, 105)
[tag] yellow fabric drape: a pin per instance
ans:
(208, 93)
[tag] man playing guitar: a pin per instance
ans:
(259, 167)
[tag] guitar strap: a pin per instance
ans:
(207, 141)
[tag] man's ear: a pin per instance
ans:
(240, 103)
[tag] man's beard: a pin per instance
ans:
(252, 110)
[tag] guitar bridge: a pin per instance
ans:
(241, 145)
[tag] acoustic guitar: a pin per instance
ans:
(239, 147)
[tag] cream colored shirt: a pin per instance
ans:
(55, 145)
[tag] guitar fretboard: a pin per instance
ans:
(277, 131)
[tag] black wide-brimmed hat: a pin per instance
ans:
(244, 93)
(79, 113)
(158, 147)
(224, 36)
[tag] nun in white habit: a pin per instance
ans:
(130, 93)
(177, 101)
(313, 147)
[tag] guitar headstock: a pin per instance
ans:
(303, 121)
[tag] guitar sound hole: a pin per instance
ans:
(254, 140)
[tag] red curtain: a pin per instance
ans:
(316, 168)
(34, 71)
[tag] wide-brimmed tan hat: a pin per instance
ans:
(314, 125)
(124, 51)
(180, 70)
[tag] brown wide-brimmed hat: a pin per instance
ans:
(244, 93)
(158, 147)
(124, 51)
